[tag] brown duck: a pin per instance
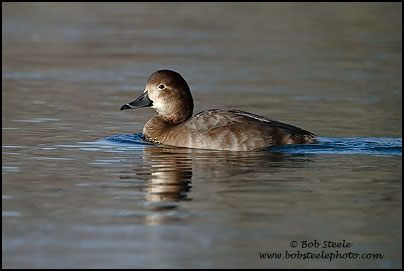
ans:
(235, 130)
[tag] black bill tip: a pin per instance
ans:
(142, 101)
(125, 106)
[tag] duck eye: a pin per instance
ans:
(161, 86)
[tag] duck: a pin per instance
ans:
(168, 93)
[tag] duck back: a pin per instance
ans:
(227, 130)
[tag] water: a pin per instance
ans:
(82, 189)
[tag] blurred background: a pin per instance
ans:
(332, 68)
(345, 57)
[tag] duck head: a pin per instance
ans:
(168, 93)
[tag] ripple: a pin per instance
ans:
(131, 139)
(353, 145)
(10, 169)
(37, 120)
(11, 214)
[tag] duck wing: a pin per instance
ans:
(215, 118)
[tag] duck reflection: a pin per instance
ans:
(170, 179)
(171, 170)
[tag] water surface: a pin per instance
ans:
(81, 189)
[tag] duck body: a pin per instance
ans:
(217, 129)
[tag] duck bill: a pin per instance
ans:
(142, 101)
